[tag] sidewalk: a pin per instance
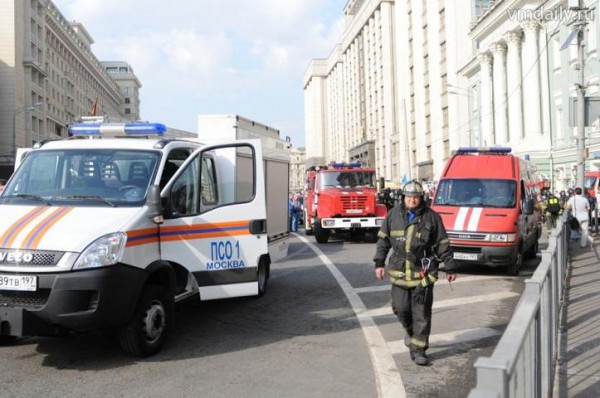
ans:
(579, 356)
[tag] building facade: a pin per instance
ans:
(49, 77)
(297, 169)
(525, 72)
(349, 97)
(382, 95)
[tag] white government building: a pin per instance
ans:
(413, 80)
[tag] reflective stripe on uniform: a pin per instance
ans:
(381, 234)
(407, 267)
(397, 232)
(418, 342)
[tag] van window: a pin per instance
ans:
(476, 192)
(220, 177)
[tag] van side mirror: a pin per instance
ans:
(153, 202)
(528, 206)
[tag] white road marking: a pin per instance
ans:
(442, 281)
(387, 310)
(448, 339)
(387, 377)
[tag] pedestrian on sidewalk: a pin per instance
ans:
(417, 236)
(579, 207)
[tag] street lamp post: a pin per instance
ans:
(14, 125)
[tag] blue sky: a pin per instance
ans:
(193, 57)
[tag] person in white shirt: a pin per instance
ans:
(579, 209)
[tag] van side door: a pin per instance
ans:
(215, 219)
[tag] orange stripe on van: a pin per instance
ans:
(13, 231)
(35, 236)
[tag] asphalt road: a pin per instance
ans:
(302, 339)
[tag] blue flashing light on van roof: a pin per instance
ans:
(340, 165)
(492, 149)
(98, 129)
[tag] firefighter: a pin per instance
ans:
(418, 238)
(552, 210)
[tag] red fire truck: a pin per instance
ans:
(341, 197)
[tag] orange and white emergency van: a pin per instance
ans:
(108, 233)
(489, 202)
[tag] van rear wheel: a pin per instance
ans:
(263, 277)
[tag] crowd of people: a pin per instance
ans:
(582, 206)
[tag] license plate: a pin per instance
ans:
(355, 225)
(18, 282)
(354, 211)
(465, 256)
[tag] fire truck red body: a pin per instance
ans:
(341, 197)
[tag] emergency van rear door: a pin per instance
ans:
(215, 220)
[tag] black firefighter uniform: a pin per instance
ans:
(417, 245)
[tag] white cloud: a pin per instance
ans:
(226, 55)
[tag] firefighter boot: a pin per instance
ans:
(419, 358)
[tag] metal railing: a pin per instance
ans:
(523, 363)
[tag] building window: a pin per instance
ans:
(127, 111)
(127, 100)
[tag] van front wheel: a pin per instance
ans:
(146, 332)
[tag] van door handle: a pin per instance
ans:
(257, 227)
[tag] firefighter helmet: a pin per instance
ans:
(413, 188)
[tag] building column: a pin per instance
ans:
(531, 78)
(500, 104)
(486, 106)
(515, 92)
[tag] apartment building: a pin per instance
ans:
(383, 93)
(49, 77)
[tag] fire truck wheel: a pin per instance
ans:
(263, 277)
(146, 332)
(321, 234)
(513, 269)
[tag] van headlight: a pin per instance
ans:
(502, 237)
(104, 251)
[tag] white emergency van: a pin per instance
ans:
(111, 232)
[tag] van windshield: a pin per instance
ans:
(476, 192)
(346, 179)
(83, 177)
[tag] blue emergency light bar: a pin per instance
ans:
(339, 165)
(491, 149)
(96, 129)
